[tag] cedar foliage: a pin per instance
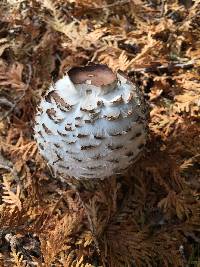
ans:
(151, 215)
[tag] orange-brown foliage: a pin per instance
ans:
(151, 215)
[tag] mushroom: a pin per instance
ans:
(92, 123)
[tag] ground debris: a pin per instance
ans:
(151, 215)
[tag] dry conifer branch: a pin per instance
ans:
(13, 105)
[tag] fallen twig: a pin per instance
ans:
(165, 67)
(118, 3)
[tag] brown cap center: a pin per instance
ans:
(98, 75)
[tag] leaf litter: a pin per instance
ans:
(150, 216)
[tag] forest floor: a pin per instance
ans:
(151, 215)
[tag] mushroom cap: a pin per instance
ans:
(92, 123)
(98, 75)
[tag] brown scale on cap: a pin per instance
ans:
(46, 129)
(59, 101)
(98, 75)
(51, 113)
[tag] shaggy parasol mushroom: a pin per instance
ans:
(92, 123)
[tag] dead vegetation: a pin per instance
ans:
(148, 217)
